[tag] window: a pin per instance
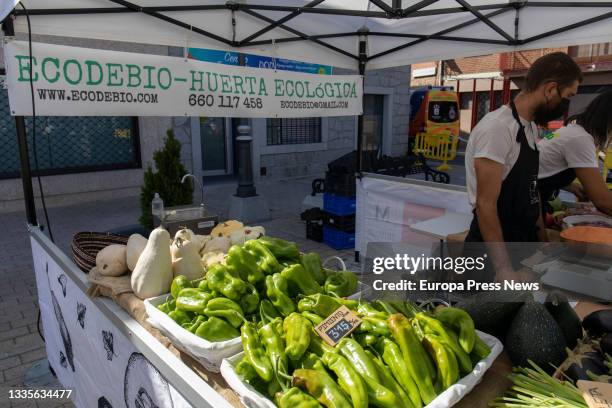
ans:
(293, 131)
(483, 103)
(465, 100)
(70, 144)
(442, 111)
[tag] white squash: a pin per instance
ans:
(217, 244)
(201, 240)
(226, 228)
(135, 245)
(211, 258)
(152, 275)
(186, 259)
(185, 234)
(111, 260)
(240, 236)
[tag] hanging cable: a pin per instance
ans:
(34, 151)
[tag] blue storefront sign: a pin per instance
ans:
(257, 61)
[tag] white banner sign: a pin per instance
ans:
(72, 81)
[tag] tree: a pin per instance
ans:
(166, 180)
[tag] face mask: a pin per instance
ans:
(544, 114)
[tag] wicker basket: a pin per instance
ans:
(86, 245)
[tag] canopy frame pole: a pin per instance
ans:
(24, 158)
(363, 60)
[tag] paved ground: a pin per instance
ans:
(22, 351)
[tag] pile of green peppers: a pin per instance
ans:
(259, 281)
(398, 357)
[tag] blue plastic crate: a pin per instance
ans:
(338, 239)
(339, 205)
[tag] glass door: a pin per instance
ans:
(215, 146)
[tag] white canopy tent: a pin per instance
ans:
(401, 32)
(351, 34)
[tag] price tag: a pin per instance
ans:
(338, 325)
(596, 394)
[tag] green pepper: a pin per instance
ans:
(434, 326)
(402, 308)
(392, 356)
(263, 257)
(267, 312)
(311, 361)
(460, 320)
(254, 351)
(348, 379)
(247, 372)
(389, 382)
(367, 310)
(178, 283)
(318, 346)
(167, 306)
(295, 398)
(341, 284)
(192, 300)
(324, 305)
(300, 281)
(271, 337)
(276, 290)
(416, 358)
(384, 306)
(242, 263)
(226, 309)
(321, 386)
(203, 285)
(366, 339)
(216, 329)
(448, 369)
(220, 280)
(195, 323)
(180, 316)
(280, 248)
(353, 351)
(250, 300)
(379, 395)
(314, 318)
(480, 351)
(375, 326)
(297, 335)
(312, 264)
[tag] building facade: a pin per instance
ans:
(92, 158)
(486, 82)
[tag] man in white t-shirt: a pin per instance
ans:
(501, 158)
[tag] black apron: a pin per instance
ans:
(549, 186)
(518, 205)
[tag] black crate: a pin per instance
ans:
(314, 230)
(345, 223)
(343, 184)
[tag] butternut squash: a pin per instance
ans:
(186, 259)
(152, 275)
(135, 245)
(111, 260)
